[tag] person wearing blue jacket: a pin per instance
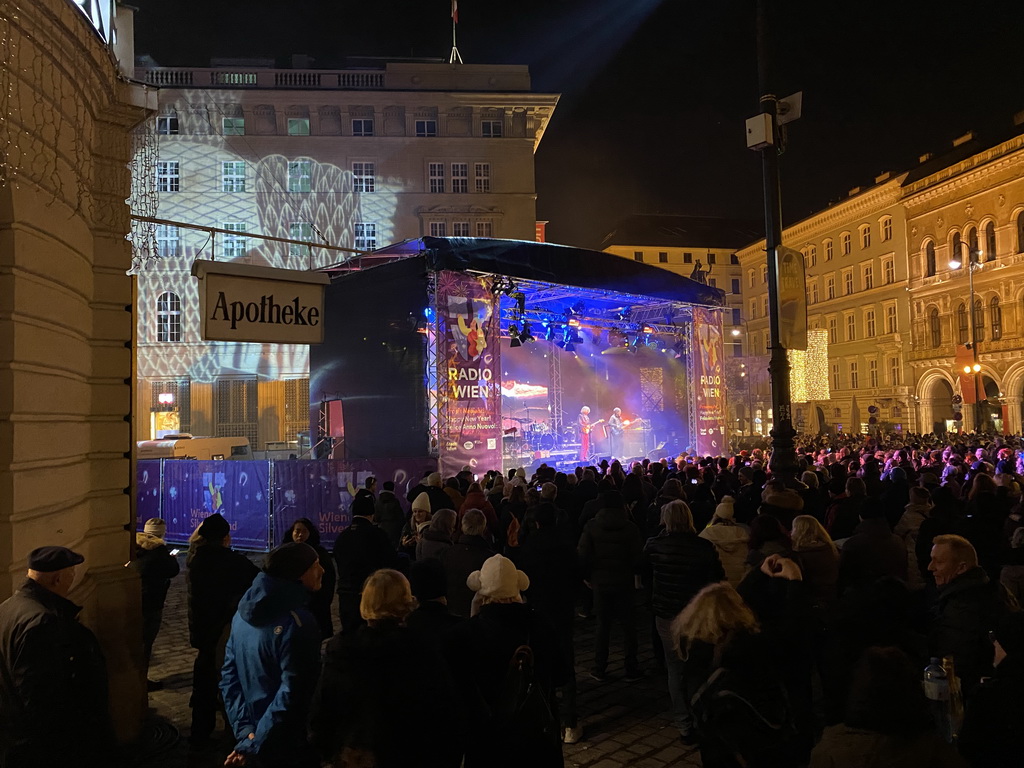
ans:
(272, 662)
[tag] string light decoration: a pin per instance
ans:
(809, 369)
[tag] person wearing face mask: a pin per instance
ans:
(272, 662)
(53, 677)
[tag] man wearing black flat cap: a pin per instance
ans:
(53, 678)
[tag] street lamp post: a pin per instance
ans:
(973, 263)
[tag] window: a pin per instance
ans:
(436, 173)
(972, 241)
(438, 229)
(168, 240)
(460, 229)
(962, 324)
(688, 259)
(894, 378)
(812, 254)
(996, 313)
(233, 126)
(426, 128)
(736, 286)
(483, 177)
(865, 236)
(886, 228)
(235, 244)
(830, 287)
(828, 250)
(713, 282)
(638, 256)
(764, 274)
(990, 240)
(491, 129)
(847, 282)
(366, 236)
(956, 247)
(712, 258)
(851, 328)
(167, 125)
(1020, 232)
(890, 319)
(737, 317)
(168, 317)
(364, 177)
(833, 331)
(750, 277)
(835, 377)
(484, 229)
(298, 126)
(734, 260)
(764, 306)
(869, 323)
(935, 328)
(814, 293)
(872, 373)
(929, 259)
(460, 178)
(854, 376)
(868, 277)
(888, 271)
(299, 230)
(979, 320)
(168, 176)
(362, 126)
(232, 175)
(299, 172)
(663, 259)
(753, 308)
(845, 241)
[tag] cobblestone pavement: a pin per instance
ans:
(623, 724)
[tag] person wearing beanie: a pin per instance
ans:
(730, 539)
(430, 588)
(272, 662)
(216, 579)
(53, 677)
(156, 567)
(359, 550)
(479, 651)
(389, 514)
(305, 531)
(872, 553)
(467, 554)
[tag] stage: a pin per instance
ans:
(484, 353)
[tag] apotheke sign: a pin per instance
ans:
(239, 302)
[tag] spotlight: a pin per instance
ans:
(646, 329)
(552, 331)
(574, 322)
(513, 337)
(520, 299)
(526, 334)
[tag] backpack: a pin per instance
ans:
(523, 711)
(750, 719)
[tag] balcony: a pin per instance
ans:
(256, 78)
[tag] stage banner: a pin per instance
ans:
(710, 384)
(469, 373)
(191, 491)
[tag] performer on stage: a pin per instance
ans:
(584, 423)
(615, 429)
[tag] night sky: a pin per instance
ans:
(655, 94)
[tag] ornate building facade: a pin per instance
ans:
(355, 159)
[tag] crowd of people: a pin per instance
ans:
(791, 614)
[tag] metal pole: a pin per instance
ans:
(783, 458)
(974, 340)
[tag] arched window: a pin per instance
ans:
(972, 240)
(962, 324)
(168, 317)
(935, 327)
(996, 313)
(956, 249)
(929, 259)
(990, 241)
(1020, 232)
(979, 320)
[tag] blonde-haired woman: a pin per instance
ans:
(818, 558)
(719, 640)
(356, 718)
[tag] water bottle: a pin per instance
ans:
(936, 690)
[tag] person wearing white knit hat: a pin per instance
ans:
(730, 539)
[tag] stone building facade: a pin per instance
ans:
(357, 159)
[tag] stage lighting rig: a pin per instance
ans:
(503, 285)
(514, 339)
(526, 335)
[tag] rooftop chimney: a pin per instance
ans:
(969, 136)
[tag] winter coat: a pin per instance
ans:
(682, 564)
(820, 568)
(477, 500)
(387, 698)
(390, 516)
(990, 737)
(460, 560)
(479, 651)
(271, 665)
(843, 516)
(217, 577)
(610, 550)
(432, 544)
(907, 529)
(359, 550)
(730, 540)
(156, 567)
(53, 684)
(845, 747)
(551, 564)
(320, 602)
(871, 553)
(967, 608)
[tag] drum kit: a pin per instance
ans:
(528, 433)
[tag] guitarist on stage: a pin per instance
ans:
(585, 426)
(615, 429)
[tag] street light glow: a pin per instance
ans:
(955, 263)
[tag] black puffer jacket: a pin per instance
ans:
(682, 565)
(611, 549)
(217, 578)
